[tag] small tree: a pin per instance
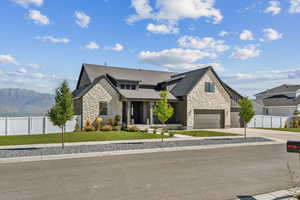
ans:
(246, 113)
(62, 111)
(162, 109)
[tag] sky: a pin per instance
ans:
(252, 44)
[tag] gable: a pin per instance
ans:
(83, 79)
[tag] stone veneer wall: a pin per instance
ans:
(102, 91)
(199, 99)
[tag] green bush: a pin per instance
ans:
(107, 128)
(133, 129)
(111, 122)
(171, 134)
(77, 126)
(117, 128)
(88, 126)
(117, 120)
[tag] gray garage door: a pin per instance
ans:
(208, 119)
(235, 118)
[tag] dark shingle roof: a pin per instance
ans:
(147, 77)
(281, 89)
(281, 100)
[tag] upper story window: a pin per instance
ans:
(128, 86)
(210, 87)
(103, 108)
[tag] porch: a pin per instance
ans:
(140, 113)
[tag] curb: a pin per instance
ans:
(125, 152)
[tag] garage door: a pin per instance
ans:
(208, 119)
(235, 118)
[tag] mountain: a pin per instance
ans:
(22, 102)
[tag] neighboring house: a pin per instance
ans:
(279, 101)
(199, 98)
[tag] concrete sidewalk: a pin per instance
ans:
(278, 195)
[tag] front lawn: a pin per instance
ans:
(204, 133)
(75, 137)
(284, 129)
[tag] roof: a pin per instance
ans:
(281, 100)
(285, 88)
(147, 77)
(144, 94)
(181, 83)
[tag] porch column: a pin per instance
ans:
(151, 112)
(128, 112)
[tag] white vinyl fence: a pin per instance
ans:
(32, 125)
(265, 121)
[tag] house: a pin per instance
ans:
(199, 98)
(279, 101)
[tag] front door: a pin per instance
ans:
(137, 112)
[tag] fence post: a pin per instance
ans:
(6, 126)
(262, 121)
(45, 125)
(29, 125)
(271, 121)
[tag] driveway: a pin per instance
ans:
(281, 136)
(211, 174)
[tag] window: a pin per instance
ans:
(209, 87)
(103, 108)
(128, 86)
(122, 86)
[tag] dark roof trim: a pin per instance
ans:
(81, 72)
(94, 83)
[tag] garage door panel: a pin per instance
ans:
(208, 119)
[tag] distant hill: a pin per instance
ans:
(21, 102)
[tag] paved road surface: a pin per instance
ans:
(214, 174)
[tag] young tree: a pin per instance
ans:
(162, 109)
(62, 111)
(246, 113)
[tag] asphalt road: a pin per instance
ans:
(211, 174)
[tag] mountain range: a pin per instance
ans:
(21, 102)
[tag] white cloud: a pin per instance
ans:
(180, 59)
(207, 43)
(118, 47)
(53, 39)
(272, 34)
(243, 53)
(92, 46)
(294, 6)
(174, 10)
(8, 59)
(26, 3)
(274, 7)
(246, 35)
(162, 28)
(82, 19)
(35, 66)
(38, 18)
(223, 33)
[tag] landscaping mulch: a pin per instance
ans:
(23, 152)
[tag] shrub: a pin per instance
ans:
(88, 125)
(123, 128)
(146, 130)
(165, 130)
(117, 128)
(154, 130)
(171, 134)
(106, 128)
(117, 119)
(111, 122)
(133, 129)
(98, 123)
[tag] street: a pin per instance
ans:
(212, 174)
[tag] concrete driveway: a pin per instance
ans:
(281, 136)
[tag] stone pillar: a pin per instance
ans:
(151, 112)
(128, 112)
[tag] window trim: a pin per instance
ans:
(210, 87)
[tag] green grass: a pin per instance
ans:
(75, 137)
(204, 133)
(284, 129)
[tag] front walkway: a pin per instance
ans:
(280, 136)
(278, 195)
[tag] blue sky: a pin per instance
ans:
(252, 44)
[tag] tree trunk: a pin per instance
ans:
(245, 133)
(62, 137)
(162, 134)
